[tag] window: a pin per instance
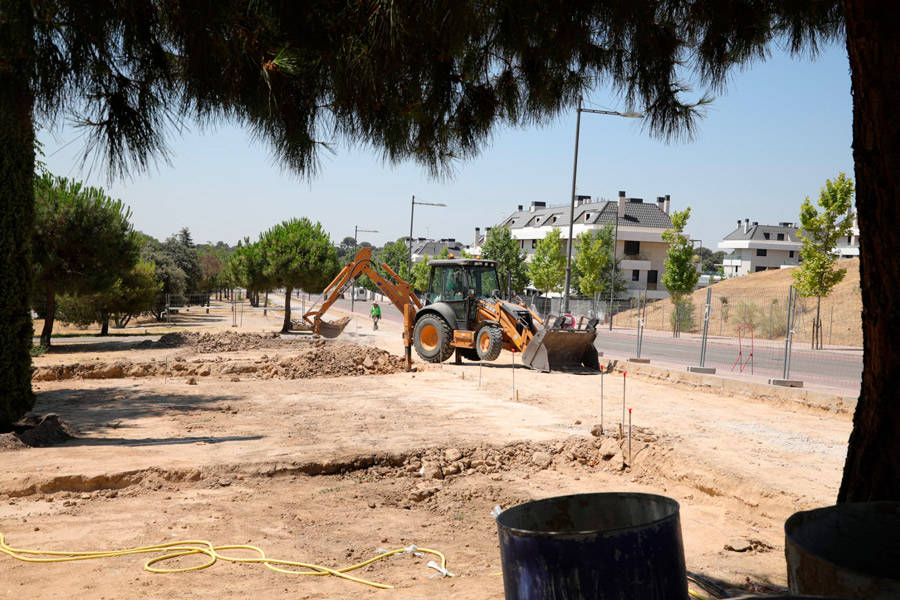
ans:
(533, 244)
(632, 248)
(761, 252)
(766, 235)
(792, 254)
(780, 237)
(635, 275)
(652, 277)
(760, 269)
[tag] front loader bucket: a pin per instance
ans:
(333, 329)
(561, 349)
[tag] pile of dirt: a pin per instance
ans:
(36, 432)
(220, 342)
(316, 358)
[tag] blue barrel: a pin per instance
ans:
(847, 551)
(615, 546)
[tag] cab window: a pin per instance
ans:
(435, 285)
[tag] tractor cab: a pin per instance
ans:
(459, 283)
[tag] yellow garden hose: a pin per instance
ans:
(191, 547)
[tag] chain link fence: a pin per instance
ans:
(760, 332)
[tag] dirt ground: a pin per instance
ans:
(327, 452)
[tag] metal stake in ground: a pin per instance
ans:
(624, 373)
(602, 373)
(629, 438)
(513, 354)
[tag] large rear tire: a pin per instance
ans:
(432, 337)
(488, 342)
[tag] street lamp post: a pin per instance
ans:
(356, 231)
(412, 210)
(632, 115)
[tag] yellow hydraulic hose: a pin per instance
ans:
(192, 547)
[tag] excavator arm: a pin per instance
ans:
(398, 291)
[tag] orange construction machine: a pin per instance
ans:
(462, 311)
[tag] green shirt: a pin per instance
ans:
(375, 311)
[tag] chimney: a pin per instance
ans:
(477, 235)
(666, 209)
(621, 204)
(746, 225)
(520, 208)
(537, 205)
(661, 202)
(739, 223)
(577, 201)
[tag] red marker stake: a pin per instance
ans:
(624, 373)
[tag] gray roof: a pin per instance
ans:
(637, 214)
(433, 248)
(758, 233)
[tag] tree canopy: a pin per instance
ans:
(592, 255)
(819, 234)
(548, 265)
(297, 254)
(83, 242)
(501, 246)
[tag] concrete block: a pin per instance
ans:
(703, 370)
(642, 361)
(796, 383)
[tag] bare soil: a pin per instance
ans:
(326, 451)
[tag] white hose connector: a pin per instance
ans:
(443, 572)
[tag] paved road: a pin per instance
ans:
(842, 368)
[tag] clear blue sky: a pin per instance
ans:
(780, 130)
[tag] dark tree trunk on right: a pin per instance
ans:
(873, 44)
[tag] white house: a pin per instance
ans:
(754, 248)
(638, 226)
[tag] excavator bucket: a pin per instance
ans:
(562, 349)
(333, 329)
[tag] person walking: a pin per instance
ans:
(375, 313)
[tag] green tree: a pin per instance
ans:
(680, 275)
(247, 268)
(172, 279)
(420, 274)
(501, 246)
(819, 234)
(593, 254)
(135, 292)
(180, 247)
(548, 267)
(297, 254)
(82, 242)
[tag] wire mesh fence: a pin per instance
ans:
(758, 332)
(231, 308)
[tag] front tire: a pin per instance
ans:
(488, 342)
(432, 337)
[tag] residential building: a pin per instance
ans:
(639, 226)
(754, 248)
(848, 247)
(422, 247)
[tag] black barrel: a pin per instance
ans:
(619, 546)
(848, 551)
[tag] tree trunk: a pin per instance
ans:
(17, 214)
(286, 327)
(871, 472)
(104, 326)
(49, 315)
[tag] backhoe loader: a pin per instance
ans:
(462, 312)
